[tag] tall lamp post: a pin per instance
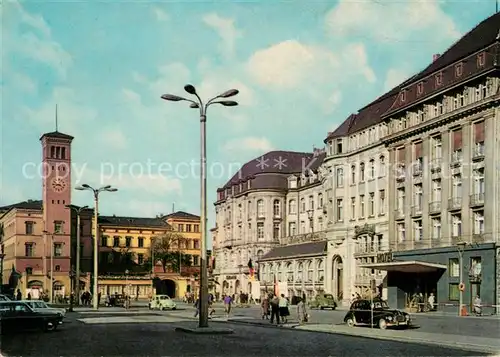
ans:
(96, 192)
(197, 103)
(461, 248)
(78, 211)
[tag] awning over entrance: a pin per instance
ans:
(412, 266)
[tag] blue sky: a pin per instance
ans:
(301, 68)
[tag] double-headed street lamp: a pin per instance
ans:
(78, 211)
(197, 103)
(96, 192)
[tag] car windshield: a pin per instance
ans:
(164, 297)
(380, 305)
(328, 296)
(39, 305)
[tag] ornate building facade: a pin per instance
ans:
(398, 195)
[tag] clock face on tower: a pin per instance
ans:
(58, 184)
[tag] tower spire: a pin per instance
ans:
(56, 120)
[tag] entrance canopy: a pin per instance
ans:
(413, 266)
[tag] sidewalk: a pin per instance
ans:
(471, 343)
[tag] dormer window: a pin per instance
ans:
(481, 59)
(459, 69)
(339, 146)
(403, 96)
(439, 79)
(292, 182)
(420, 88)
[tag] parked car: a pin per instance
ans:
(41, 306)
(162, 302)
(4, 297)
(18, 316)
(323, 301)
(360, 313)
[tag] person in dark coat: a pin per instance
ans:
(19, 296)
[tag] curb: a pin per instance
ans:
(455, 345)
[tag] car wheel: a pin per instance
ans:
(322, 308)
(351, 322)
(382, 324)
(174, 308)
(50, 326)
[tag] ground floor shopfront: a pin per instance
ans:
(437, 271)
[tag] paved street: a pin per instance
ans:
(122, 333)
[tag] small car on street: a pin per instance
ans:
(18, 316)
(116, 300)
(323, 301)
(42, 307)
(162, 302)
(361, 313)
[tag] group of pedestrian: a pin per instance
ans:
(276, 308)
(211, 309)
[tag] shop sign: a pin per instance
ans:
(230, 277)
(385, 257)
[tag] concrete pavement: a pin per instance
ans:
(129, 338)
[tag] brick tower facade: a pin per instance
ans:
(56, 160)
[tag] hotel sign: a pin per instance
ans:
(385, 257)
(230, 277)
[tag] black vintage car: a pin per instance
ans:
(361, 313)
(18, 316)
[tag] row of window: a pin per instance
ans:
(29, 249)
(436, 227)
(188, 228)
(117, 242)
(58, 152)
(29, 227)
(361, 207)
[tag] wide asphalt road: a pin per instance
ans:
(486, 326)
(100, 338)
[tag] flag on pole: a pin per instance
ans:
(251, 269)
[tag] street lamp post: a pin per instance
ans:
(78, 211)
(197, 103)
(96, 191)
(461, 249)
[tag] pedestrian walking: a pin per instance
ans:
(275, 310)
(283, 308)
(477, 306)
(265, 308)
(227, 305)
(19, 295)
(301, 312)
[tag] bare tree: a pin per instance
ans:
(164, 245)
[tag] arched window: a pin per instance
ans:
(302, 204)
(289, 272)
(372, 169)
(260, 253)
(260, 208)
(310, 271)
(300, 272)
(292, 207)
(276, 208)
(321, 270)
(362, 172)
(278, 272)
(353, 174)
(320, 200)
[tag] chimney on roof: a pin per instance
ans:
(435, 57)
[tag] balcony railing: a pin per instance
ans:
(416, 210)
(370, 248)
(417, 169)
(478, 153)
(456, 158)
(435, 207)
(478, 238)
(477, 199)
(399, 213)
(436, 164)
(305, 237)
(455, 203)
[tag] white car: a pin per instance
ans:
(162, 302)
(41, 306)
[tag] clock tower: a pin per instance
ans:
(56, 163)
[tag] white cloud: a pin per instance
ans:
(129, 177)
(390, 20)
(248, 145)
(394, 77)
(22, 81)
(113, 137)
(332, 102)
(226, 29)
(159, 14)
(292, 64)
(72, 112)
(29, 35)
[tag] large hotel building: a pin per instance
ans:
(402, 190)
